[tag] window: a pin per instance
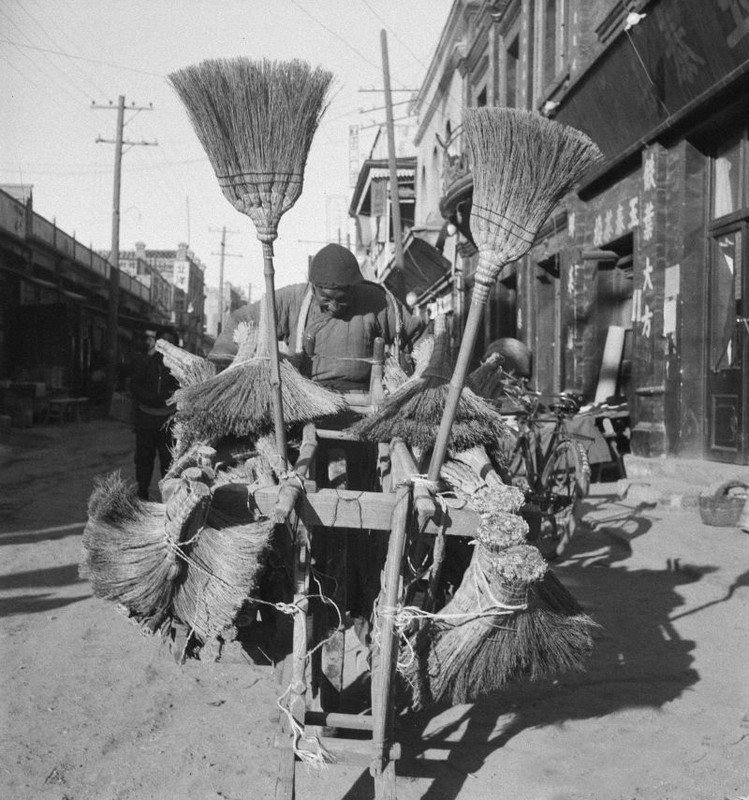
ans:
(550, 44)
(549, 41)
(512, 57)
(729, 185)
(726, 302)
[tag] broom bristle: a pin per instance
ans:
(255, 120)
(129, 561)
(469, 659)
(187, 368)
(223, 569)
(239, 401)
(113, 499)
(523, 164)
(414, 410)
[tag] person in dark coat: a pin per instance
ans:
(334, 319)
(152, 384)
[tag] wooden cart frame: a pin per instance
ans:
(403, 508)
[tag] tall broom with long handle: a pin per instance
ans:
(523, 164)
(256, 120)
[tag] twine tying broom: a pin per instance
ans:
(498, 504)
(523, 164)
(413, 411)
(256, 121)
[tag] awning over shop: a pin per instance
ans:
(423, 266)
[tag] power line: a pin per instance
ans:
(82, 58)
(40, 87)
(41, 27)
(337, 35)
(395, 35)
(47, 76)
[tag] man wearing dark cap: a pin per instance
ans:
(334, 319)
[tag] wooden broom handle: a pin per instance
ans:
(470, 333)
(275, 369)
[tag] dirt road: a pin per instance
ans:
(92, 710)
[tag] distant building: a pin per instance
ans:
(233, 298)
(186, 274)
(54, 302)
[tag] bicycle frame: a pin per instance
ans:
(534, 450)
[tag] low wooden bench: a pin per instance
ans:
(60, 409)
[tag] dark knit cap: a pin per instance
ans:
(334, 265)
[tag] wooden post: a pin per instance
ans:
(275, 368)
(392, 163)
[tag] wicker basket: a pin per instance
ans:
(721, 504)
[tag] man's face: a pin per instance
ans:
(335, 302)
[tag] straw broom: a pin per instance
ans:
(414, 410)
(498, 627)
(256, 121)
(239, 400)
(486, 379)
(523, 164)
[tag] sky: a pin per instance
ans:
(58, 57)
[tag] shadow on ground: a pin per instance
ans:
(639, 660)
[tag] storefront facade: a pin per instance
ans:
(637, 285)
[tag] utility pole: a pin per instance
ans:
(114, 252)
(223, 254)
(394, 194)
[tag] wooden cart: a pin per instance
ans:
(312, 674)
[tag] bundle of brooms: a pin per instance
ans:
(131, 547)
(256, 121)
(186, 559)
(413, 411)
(509, 619)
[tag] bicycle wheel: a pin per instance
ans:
(566, 480)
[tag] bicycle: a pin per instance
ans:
(549, 465)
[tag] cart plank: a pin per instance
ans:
(345, 508)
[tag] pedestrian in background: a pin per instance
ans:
(152, 384)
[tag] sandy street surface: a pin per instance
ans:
(93, 710)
